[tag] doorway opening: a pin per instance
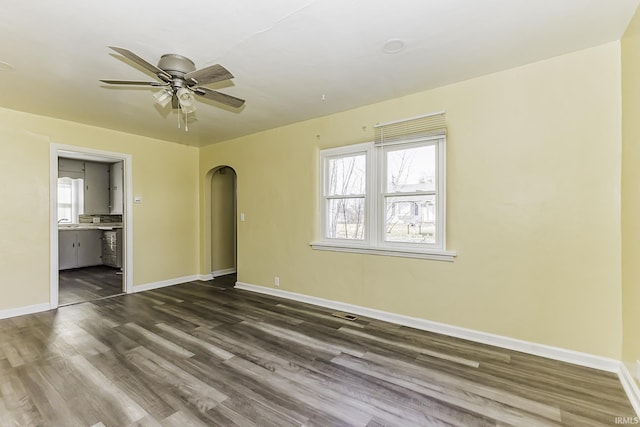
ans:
(223, 222)
(90, 224)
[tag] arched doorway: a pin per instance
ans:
(223, 222)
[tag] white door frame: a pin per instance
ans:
(209, 221)
(60, 150)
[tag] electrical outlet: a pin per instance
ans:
(276, 281)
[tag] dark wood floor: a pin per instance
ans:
(88, 283)
(205, 354)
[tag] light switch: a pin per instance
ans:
(137, 199)
(242, 216)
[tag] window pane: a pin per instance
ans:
(64, 199)
(410, 219)
(411, 169)
(346, 218)
(347, 175)
(70, 199)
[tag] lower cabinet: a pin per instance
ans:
(112, 248)
(79, 248)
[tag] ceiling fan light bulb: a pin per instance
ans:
(190, 108)
(184, 94)
(162, 98)
(185, 98)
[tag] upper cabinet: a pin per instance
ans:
(96, 188)
(101, 185)
(70, 168)
(115, 188)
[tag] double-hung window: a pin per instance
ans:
(345, 195)
(70, 199)
(386, 197)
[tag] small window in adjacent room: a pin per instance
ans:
(387, 197)
(70, 199)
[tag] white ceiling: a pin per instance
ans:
(292, 59)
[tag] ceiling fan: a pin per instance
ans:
(180, 81)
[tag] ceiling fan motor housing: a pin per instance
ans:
(176, 65)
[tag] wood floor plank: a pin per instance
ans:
(301, 339)
(418, 373)
(17, 401)
(51, 406)
(192, 340)
(109, 392)
(186, 314)
(253, 391)
(194, 390)
(500, 412)
(88, 283)
(412, 347)
(182, 419)
(76, 397)
(129, 379)
(164, 345)
(11, 354)
(417, 408)
(346, 414)
(204, 353)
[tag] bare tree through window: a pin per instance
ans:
(409, 195)
(347, 185)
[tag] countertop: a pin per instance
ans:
(89, 226)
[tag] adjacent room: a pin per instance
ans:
(323, 213)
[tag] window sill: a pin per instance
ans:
(438, 255)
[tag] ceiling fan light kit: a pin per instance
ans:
(186, 100)
(180, 81)
(163, 98)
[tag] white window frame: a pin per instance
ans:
(333, 153)
(373, 241)
(76, 205)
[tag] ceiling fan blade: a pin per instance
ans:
(128, 82)
(210, 74)
(222, 98)
(135, 58)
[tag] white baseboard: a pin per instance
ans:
(630, 387)
(223, 272)
(21, 311)
(556, 353)
(165, 283)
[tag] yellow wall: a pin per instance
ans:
(631, 193)
(165, 226)
(533, 206)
